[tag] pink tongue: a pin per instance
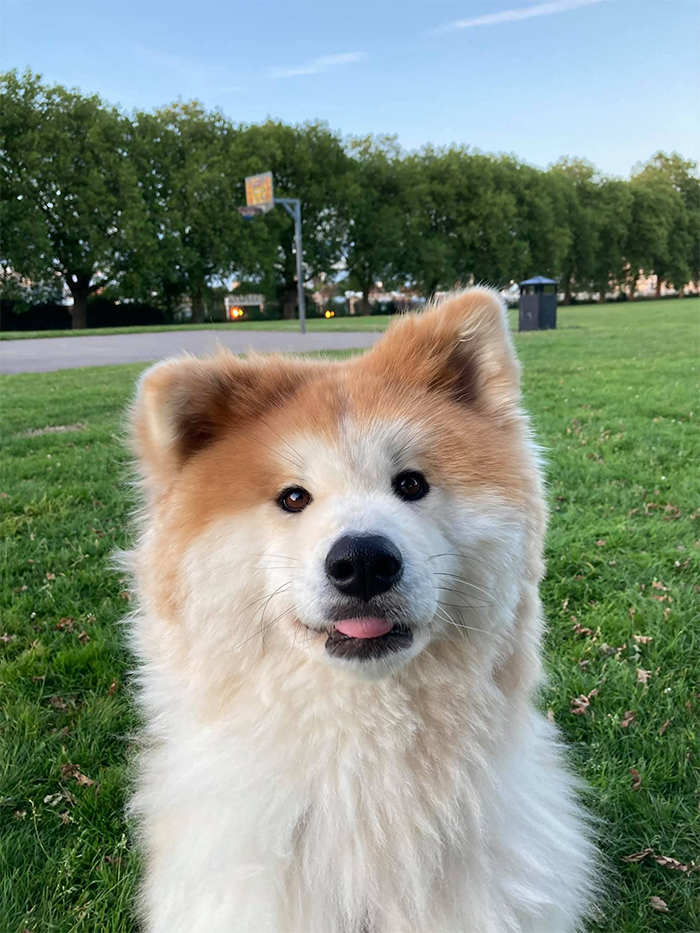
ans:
(365, 627)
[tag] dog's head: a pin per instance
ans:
(353, 511)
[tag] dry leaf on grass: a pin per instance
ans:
(580, 704)
(112, 689)
(636, 856)
(636, 779)
(601, 543)
(643, 676)
(664, 727)
(73, 771)
(7, 639)
(667, 862)
(581, 629)
(657, 904)
(618, 652)
(54, 799)
(643, 639)
(627, 719)
(658, 585)
(50, 576)
(550, 715)
(83, 638)
(65, 624)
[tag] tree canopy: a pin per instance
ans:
(71, 204)
(145, 204)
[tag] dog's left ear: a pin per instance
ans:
(460, 347)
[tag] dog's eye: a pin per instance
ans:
(410, 485)
(294, 499)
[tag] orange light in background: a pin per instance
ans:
(235, 313)
(329, 314)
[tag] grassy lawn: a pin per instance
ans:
(614, 395)
(359, 322)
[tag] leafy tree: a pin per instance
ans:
(652, 211)
(487, 221)
(377, 209)
(543, 236)
(614, 207)
(462, 224)
(191, 182)
(71, 204)
(577, 192)
(428, 250)
(674, 254)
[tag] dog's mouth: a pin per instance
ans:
(367, 637)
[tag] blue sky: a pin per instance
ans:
(609, 80)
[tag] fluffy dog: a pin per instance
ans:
(339, 634)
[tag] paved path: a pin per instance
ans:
(46, 354)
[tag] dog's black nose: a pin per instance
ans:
(364, 565)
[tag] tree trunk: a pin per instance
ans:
(365, 307)
(659, 283)
(289, 304)
(80, 289)
(568, 295)
(633, 287)
(601, 292)
(197, 297)
(79, 311)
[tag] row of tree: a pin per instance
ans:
(145, 204)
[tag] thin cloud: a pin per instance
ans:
(514, 16)
(318, 65)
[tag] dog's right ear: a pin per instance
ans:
(185, 404)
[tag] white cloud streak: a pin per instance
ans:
(514, 16)
(318, 65)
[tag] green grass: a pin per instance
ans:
(614, 396)
(358, 322)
